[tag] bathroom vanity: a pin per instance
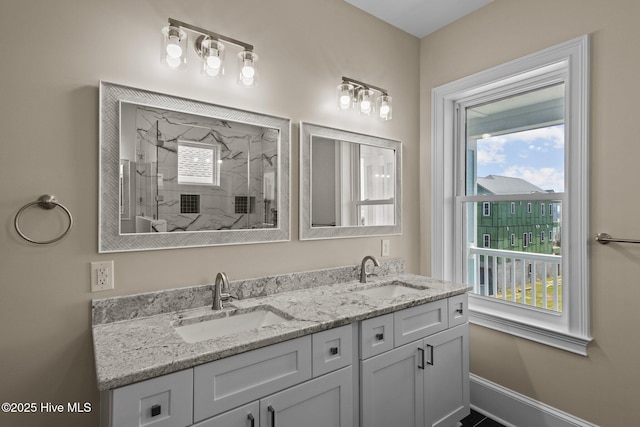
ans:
(307, 349)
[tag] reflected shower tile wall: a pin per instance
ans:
(217, 210)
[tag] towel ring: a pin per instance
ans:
(46, 201)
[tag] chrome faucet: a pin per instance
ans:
(363, 267)
(220, 291)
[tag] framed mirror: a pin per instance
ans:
(175, 173)
(350, 184)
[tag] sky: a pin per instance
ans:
(535, 155)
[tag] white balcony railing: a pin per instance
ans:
(520, 277)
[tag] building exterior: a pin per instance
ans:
(522, 226)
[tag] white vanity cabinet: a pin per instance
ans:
(407, 368)
(285, 382)
(423, 382)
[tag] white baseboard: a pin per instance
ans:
(513, 409)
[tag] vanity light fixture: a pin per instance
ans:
(355, 94)
(211, 51)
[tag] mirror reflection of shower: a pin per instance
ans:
(196, 173)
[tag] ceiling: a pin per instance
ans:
(419, 17)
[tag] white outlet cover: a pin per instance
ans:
(101, 276)
(385, 248)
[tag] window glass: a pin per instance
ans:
(197, 163)
(515, 146)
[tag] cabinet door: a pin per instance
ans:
(392, 386)
(322, 402)
(447, 376)
(244, 416)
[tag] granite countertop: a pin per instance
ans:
(140, 347)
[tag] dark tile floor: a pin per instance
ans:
(476, 419)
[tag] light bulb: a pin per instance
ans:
(213, 62)
(383, 105)
(248, 71)
(247, 81)
(345, 101)
(173, 49)
(173, 62)
(365, 106)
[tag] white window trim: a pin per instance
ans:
(569, 330)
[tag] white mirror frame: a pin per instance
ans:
(109, 237)
(307, 232)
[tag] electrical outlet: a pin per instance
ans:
(101, 276)
(386, 247)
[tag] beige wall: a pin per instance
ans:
(601, 388)
(53, 55)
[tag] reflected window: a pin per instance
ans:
(198, 163)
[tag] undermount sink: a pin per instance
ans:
(228, 323)
(389, 290)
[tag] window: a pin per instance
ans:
(486, 209)
(542, 209)
(536, 108)
(198, 163)
(486, 240)
(541, 236)
(513, 208)
(244, 204)
(512, 239)
(189, 203)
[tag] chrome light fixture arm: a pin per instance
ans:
(211, 34)
(362, 85)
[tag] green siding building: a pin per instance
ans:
(523, 226)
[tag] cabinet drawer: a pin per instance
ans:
(244, 416)
(164, 401)
(376, 335)
(237, 380)
(331, 349)
(420, 321)
(458, 310)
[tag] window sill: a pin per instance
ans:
(563, 340)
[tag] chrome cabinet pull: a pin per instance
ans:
(253, 421)
(421, 363)
(273, 415)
